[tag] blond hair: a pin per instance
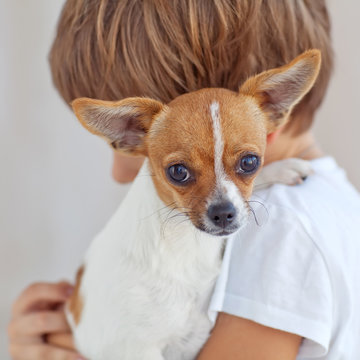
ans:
(110, 49)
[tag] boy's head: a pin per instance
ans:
(110, 50)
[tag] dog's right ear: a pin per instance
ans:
(123, 123)
(277, 91)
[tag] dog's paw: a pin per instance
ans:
(291, 171)
(288, 171)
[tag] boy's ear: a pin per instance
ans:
(123, 123)
(277, 91)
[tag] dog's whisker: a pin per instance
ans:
(155, 212)
(259, 202)
(255, 217)
(183, 221)
(254, 212)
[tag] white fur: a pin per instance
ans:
(147, 283)
(225, 189)
(288, 171)
(218, 141)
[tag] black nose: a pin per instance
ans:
(222, 214)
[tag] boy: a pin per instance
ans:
(284, 292)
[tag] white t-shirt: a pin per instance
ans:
(298, 269)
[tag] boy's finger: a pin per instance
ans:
(42, 352)
(39, 293)
(37, 324)
(63, 340)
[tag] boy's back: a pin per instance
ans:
(304, 282)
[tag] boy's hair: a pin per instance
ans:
(110, 49)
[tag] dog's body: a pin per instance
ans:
(144, 289)
(147, 282)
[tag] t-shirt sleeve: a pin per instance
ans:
(275, 275)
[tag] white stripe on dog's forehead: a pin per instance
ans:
(218, 142)
(225, 189)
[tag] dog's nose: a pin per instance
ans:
(222, 214)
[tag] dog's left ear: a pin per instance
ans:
(277, 91)
(123, 124)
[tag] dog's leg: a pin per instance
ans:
(288, 171)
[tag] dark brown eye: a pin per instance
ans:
(178, 173)
(248, 164)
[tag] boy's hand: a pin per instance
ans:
(37, 316)
(63, 340)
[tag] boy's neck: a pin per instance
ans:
(286, 146)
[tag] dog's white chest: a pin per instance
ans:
(147, 283)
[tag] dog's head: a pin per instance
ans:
(205, 147)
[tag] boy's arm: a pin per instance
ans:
(235, 338)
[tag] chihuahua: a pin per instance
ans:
(147, 278)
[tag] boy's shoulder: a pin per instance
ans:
(290, 267)
(325, 200)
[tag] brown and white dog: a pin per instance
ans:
(145, 284)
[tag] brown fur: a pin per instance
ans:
(254, 87)
(186, 136)
(143, 110)
(76, 301)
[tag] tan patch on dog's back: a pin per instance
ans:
(76, 302)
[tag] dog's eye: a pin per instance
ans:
(178, 173)
(248, 164)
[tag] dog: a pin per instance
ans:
(146, 281)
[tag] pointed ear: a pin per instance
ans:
(123, 124)
(277, 91)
